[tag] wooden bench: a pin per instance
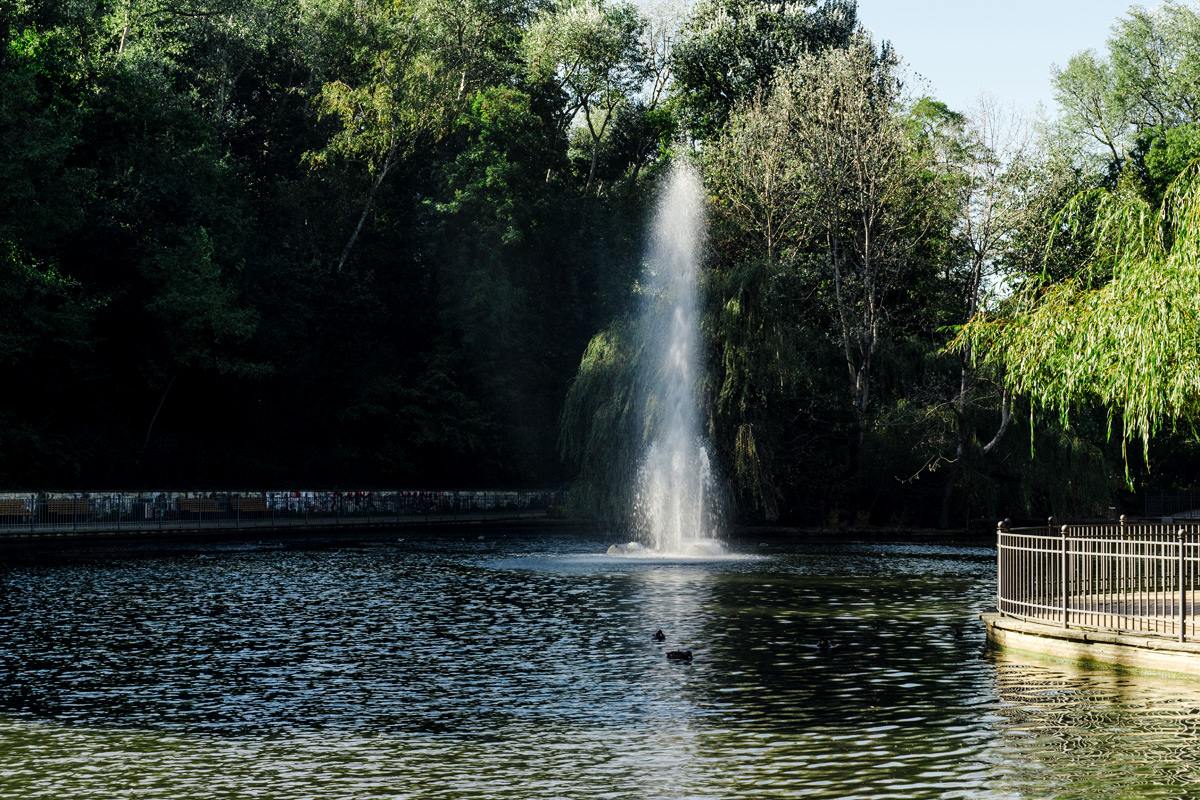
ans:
(69, 507)
(13, 508)
(198, 505)
(248, 505)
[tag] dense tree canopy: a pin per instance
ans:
(1123, 331)
(398, 243)
(1115, 327)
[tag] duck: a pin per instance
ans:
(680, 655)
(957, 632)
(660, 636)
(825, 644)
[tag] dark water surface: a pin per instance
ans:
(521, 665)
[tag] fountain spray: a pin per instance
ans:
(676, 510)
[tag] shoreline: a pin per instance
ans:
(321, 528)
(1123, 650)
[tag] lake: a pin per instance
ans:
(521, 663)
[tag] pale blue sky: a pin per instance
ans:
(1003, 46)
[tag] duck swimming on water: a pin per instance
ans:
(680, 655)
(660, 636)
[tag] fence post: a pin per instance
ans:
(1063, 577)
(1002, 565)
(1179, 546)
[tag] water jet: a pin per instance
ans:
(676, 509)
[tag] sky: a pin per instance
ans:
(1004, 47)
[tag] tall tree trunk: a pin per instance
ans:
(952, 477)
(387, 165)
(961, 448)
(161, 401)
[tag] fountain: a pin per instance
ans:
(676, 506)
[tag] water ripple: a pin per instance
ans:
(522, 666)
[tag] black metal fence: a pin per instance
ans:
(1138, 578)
(82, 512)
(1185, 505)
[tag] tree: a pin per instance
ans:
(593, 53)
(646, 126)
(823, 199)
(985, 156)
(1124, 331)
(493, 204)
(407, 68)
(756, 311)
(868, 196)
(1160, 154)
(730, 51)
(1150, 78)
(600, 426)
(755, 171)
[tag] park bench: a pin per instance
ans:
(13, 510)
(248, 505)
(198, 505)
(69, 507)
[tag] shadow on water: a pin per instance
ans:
(524, 665)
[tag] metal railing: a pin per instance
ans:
(1123, 577)
(110, 512)
(1185, 505)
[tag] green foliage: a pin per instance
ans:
(398, 93)
(756, 174)
(825, 201)
(642, 136)
(498, 171)
(765, 370)
(41, 310)
(328, 241)
(1161, 154)
(1149, 79)
(197, 306)
(732, 49)
(1122, 332)
(601, 424)
(593, 54)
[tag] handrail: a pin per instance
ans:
(1122, 577)
(177, 512)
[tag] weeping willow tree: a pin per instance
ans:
(1124, 331)
(600, 424)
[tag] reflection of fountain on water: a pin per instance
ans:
(676, 509)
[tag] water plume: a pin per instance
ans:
(676, 508)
